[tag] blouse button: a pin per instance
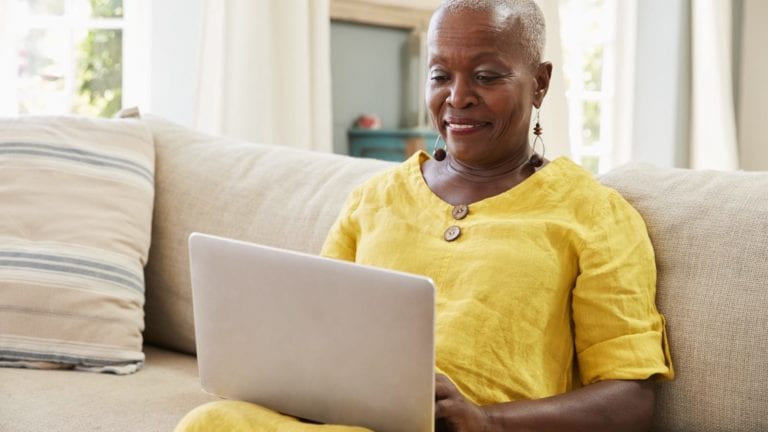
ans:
(452, 233)
(460, 211)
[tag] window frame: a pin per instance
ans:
(614, 96)
(134, 25)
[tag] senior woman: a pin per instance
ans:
(540, 270)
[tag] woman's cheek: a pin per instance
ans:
(435, 100)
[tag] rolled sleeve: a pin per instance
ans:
(619, 333)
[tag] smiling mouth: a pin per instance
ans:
(464, 127)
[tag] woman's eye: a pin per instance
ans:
(439, 78)
(483, 78)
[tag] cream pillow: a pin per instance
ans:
(76, 200)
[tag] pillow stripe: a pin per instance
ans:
(62, 314)
(124, 161)
(19, 264)
(134, 276)
(58, 358)
(76, 156)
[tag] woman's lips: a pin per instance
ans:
(464, 128)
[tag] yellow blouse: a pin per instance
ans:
(558, 264)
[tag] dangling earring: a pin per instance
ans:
(536, 161)
(439, 153)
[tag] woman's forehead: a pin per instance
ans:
(469, 30)
(464, 20)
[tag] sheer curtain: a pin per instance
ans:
(8, 63)
(554, 111)
(681, 85)
(623, 68)
(713, 123)
(137, 67)
(265, 72)
(753, 129)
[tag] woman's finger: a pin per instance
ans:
(444, 388)
(445, 408)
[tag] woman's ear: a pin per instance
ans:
(543, 75)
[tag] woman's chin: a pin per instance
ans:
(469, 154)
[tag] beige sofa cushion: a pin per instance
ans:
(710, 234)
(155, 399)
(76, 199)
(266, 194)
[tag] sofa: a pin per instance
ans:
(709, 231)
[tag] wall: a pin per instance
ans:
(753, 127)
(737, 24)
(366, 70)
(418, 4)
(660, 132)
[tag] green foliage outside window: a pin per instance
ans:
(107, 8)
(100, 65)
(593, 69)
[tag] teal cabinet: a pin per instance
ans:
(389, 144)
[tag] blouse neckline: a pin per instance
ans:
(535, 182)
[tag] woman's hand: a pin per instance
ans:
(606, 406)
(453, 412)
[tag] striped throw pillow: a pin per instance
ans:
(76, 198)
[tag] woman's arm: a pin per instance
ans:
(603, 406)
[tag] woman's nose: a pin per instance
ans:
(462, 94)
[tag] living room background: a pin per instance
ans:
(365, 60)
(165, 78)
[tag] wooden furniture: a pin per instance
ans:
(389, 144)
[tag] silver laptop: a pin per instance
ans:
(321, 339)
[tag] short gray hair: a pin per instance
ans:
(533, 32)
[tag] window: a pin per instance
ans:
(588, 39)
(69, 56)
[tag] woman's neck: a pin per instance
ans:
(502, 171)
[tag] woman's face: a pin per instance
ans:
(480, 88)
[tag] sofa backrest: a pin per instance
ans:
(271, 195)
(710, 235)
